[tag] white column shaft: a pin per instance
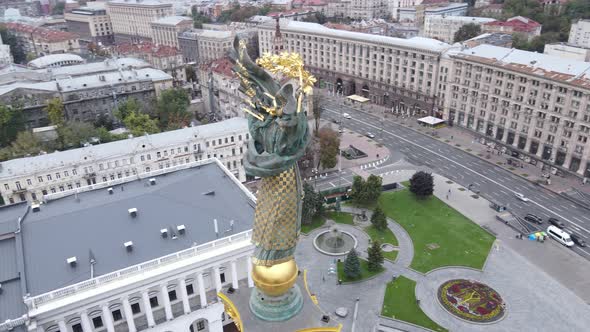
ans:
(234, 275)
(107, 318)
(249, 267)
(85, 321)
(202, 293)
(217, 279)
(216, 326)
(62, 326)
(166, 299)
(129, 315)
(148, 309)
(184, 296)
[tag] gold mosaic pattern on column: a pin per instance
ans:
(275, 219)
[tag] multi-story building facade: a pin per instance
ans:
(536, 105)
(43, 41)
(166, 58)
(204, 46)
(160, 270)
(219, 89)
(418, 14)
(580, 34)
(131, 18)
(166, 29)
(93, 25)
(444, 27)
(516, 25)
(25, 8)
(395, 5)
(389, 71)
(87, 90)
(564, 50)
(29, 179)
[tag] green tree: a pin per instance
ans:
(527, 8)
(12, 121)
(308, 209)
(18, 54)
(172, 109)
(375, 259)
(103, 135)
(329, 147)
(103, 120)
(352, 265)
(74, 134)
(320, 207)
(199, 19)
(577, 9)
(422, 184)
(378, 219)
(140, 124)
(357, 192)
(317, 112)
(131, 105)
(25, 144)
(466, 32)
(373, 188)
(55, 112)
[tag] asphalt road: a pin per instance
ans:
(493, 182)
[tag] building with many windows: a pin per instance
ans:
(166, 29)
(93, 25)
(389, 71)
(30, 178)
(220, 89)
(580, 34)
(132, 19)
(444, 27)
(43, 41)
(150, 253)
(516, 25)
(204, 46)
(162, 57)
(568, 51)
(535, 104)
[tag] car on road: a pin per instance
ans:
(556, 222)
(370, 135)
(560, 236)
(346, 116)
(578, 240)
(533, 218)
(336, 121)
(521, 197)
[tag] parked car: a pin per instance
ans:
(578, 240)
(346, 116)
(560, 236)
(556, 222)
(521, 197)
(370, 135)
(533, 218)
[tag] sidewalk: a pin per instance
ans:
(469, 142)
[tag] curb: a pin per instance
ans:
(405, 323)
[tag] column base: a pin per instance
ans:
(276, 308)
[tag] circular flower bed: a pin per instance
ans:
(471, 300)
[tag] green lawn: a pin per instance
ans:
(441, 235)
(365, 273)
(386, 236)
(317, 221)
(399, 302)
(340, 217)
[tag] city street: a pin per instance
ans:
(493, 182)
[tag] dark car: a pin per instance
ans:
(534, 219)
(556, 222)
(578, 240)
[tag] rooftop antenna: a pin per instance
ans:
(92, 262)
(216, 228)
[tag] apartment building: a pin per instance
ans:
(395, 5)
(444, 27)
(204, 46)
(5, 55)
(93, 25)
(219, 89)
(29, 179)
(390, 71)
(516, 25)
(43, 41)
(148, 254)
(131, 18)
(162, 57)
(535, 104)
(580, 34)
(419, 13)
(568, 51)
(166, 29)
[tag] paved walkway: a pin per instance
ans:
(535, 300)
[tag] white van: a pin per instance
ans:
(559, 235)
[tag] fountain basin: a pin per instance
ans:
(334, 242)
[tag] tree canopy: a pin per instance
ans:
(131, 105)
(352, 265)
(366, 192)
(422, 184)
(375, 259)
(329, 147)
(466, 32)
(378, 219)
(140, 124)
(12, 120)
(55, 111)
(172, 107)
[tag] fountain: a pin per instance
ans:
(334, 242)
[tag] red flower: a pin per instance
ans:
(482, 310)
(462, 308)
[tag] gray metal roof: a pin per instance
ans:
(11, 301)
(9, 217)
(8, 267)
(100, 223)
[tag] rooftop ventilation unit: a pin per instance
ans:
(164, 232)
(110, 190)
(210, 193)
(153, 181)
(128, 245)
(36, 207)
(181, 229)
(72, 261)
(0, 288)
(132, 212)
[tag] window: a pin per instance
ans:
(97, 322)
(74, 172)
(190, 290)
(172, 295)
(40, 178)
(117, 315)
(153, 301)
(158, 154)
(6, 186)
(135, 309)
(29, 182)
(200, 325)
(48, 177)
(77, 328)
(57, 176)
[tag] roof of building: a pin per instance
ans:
(97, 224)
(40, 33)
(219, 34)
(221, 66)
(106, 151)
(97, 67)
(139, 3)
(111, 78)
(465, 19)
(517, 23)
(53, 59)
(146, 48)
(445, 6)
(426, 44)
(494, 38)
(172, 20)
(550, 67)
